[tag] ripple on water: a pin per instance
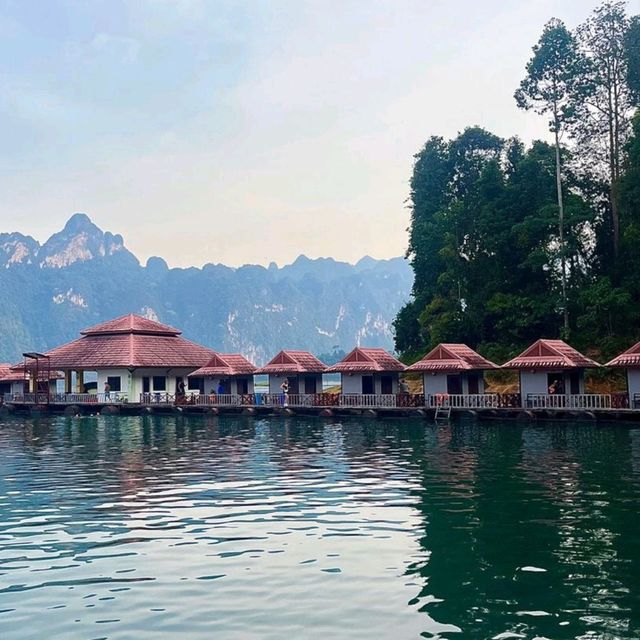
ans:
(235, 528)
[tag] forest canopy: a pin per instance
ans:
(511, 243)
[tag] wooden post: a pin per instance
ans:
(79, 381)
(67, 381)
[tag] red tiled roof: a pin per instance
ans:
(293, 362)
(225, 364)
(131, 342)
(630, 359)
(10, 373)
(131, 323)
(452, 357)
(363, 359)
(550, 354)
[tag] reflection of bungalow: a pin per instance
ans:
(224, 373)
(550, 364)
(368, 371)
(630, 360)
(453, 369)
(12, 380)
(301, 368)
(133, 355)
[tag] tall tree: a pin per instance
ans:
(632, 48)
(549, 88)
(604, 107)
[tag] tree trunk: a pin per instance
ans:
(563, 259)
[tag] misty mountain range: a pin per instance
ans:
(82, 275)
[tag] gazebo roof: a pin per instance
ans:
(287, 362)
(550, 354)
(630, 359)
(225, 365)
(130, 342)
(453, 358)
(367, 360)
(131, 323)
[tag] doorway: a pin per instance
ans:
(454, 384)
(473, 384)
(367, 385)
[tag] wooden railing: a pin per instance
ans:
(569, 401)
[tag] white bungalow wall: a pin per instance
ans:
(633, 382)
(132, 383)
(537, 382)
(352, 383)
(437, 383)
(211, 385)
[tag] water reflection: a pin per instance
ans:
(242, 528)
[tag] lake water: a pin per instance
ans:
(199, 528)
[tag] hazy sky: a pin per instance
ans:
(235, 132)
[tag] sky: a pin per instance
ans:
(249, 131)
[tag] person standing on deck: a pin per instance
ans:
(285, 392)
(107, 392)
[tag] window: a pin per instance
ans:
(114, 383)
(145, 385)
(367, 385)
(159, 383)
(196, 384)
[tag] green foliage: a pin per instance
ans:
(632, 52)
(485, 239)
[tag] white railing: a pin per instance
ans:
(368, 400)
(463, 401)
(573, 401)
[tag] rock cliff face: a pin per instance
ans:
(83, 275)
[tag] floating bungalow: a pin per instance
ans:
(135, 356)
(12, 380)
(301, 369)
(630, 360)
(225, 373)
(368, 371)
(452, 369)
(550, 371)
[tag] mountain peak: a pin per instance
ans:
(79, 222)
(80, 241)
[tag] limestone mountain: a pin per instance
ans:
(83, 275)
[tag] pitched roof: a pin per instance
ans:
(293, 362)
(550, 354)
(10, 373)
(130, 342)
(225, 364)
(363, 359)
(629, 359)
(131, 323)
(452, 357)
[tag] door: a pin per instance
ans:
(473, 383)
(367, 385)
(386, 384)
(574, 382)
(146, 384)
(294, 385)
(310, 384)
(242, 386)
(454, 385)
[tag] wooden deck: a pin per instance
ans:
(489, 405)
